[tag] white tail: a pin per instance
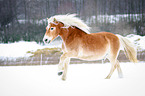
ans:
(129, 48)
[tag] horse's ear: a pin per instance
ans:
(54, 20)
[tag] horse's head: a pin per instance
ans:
(52, 31)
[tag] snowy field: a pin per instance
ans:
(20, 49)
(82, 80)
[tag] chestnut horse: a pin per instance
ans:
(79, 43)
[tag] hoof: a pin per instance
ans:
(107, 77)
(60, 73)
(120, 75)
(63, 79)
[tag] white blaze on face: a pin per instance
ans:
(47, 39)
(48, 26)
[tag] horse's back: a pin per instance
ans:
(106, 34)
(110, 37)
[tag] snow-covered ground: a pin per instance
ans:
(82, 80)
(139, 41)
(19, 49)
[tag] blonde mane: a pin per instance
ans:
(70, 20)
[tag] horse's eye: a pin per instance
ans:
(51, 28)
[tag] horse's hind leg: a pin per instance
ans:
(115, 64)
(113, 67)
(113, 54)
(119, 69)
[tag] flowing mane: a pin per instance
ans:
(70, 20)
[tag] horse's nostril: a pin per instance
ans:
(46, 40)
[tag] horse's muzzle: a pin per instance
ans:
(46, 39)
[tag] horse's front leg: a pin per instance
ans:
(65, 68)
(63, 64)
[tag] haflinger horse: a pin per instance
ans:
(79, 43)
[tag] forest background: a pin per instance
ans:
(26, 19)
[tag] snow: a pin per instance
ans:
(138, 41)
(82, 80)
(20, 49)
(42, 21)
(113, 18)
(17, 49)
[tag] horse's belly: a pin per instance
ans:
(94, 56)
(91, 58)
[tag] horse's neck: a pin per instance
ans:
(70, 33)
